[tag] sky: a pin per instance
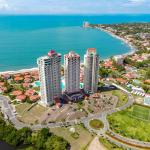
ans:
(74, 6)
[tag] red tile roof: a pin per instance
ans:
(25, 85)
(27, 80)
(121, 80)
(16, 93)
(34, 98)
(18, 78)
(21, 97)
(2, 83)
(30, 92)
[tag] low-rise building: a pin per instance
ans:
(138, 91)
(119, 59)
(147, 100)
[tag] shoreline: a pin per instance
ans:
(132, 51)
(19, 71)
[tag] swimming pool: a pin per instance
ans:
(37, 84)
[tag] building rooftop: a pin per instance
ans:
(72, 55)
(91, 50)
(51, 52)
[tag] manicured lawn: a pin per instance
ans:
(122, 97)
(96, 124)
(31, 116)
(84, 137)
(109, 145)
(141, 112)
(22, 107)
(132, 123)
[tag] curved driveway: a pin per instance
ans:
(9, 113)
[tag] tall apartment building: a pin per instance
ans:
(72, 72)
(50, 77)
(91, 70)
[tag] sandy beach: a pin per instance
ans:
(19, 71)
(133, 48)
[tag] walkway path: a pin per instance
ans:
(9, 113)
(96, 145)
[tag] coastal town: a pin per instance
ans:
(91, 97)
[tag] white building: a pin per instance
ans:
(147, 100)
(119, 59)
(138, 91)
(72, 72)
(85, 24)
(50, 77)
(91, 70)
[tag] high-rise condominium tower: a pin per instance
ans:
(72, 72)
(91, 70)
(50, 77)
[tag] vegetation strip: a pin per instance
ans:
(138, 146)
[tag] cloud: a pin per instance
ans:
(74, 6)
(4, 5)
(137, 2)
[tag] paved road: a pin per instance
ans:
(9, 113)
(103, 118)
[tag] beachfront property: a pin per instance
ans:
(119, 59)
(72, 72)
(91, 69)
(85, 24)
(50, 77)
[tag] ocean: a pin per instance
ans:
(24, 38)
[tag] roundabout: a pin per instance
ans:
(96, 124)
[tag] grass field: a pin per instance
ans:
(133, 123)
(31, 116)
(80, 143)
(141, 112)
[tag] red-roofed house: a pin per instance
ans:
(21, 98)
(17, 75)
(3, 89)
(34, 98)
(147, 81)
(6, 76)
(108, 64)
(26, 85)
(27, 76)
(121, 80)
(17, 79)
(27, 80)
(2, 83)
(29, 92)
(16, 93)
(35, 73)
(26, 73)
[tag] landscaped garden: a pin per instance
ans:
(96, 124)
(133, 123)
(78, 140)
(122, 97)
(108, 145)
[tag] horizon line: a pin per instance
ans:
(46, 14)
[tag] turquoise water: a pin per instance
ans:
(25, 38)
(37, 84)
